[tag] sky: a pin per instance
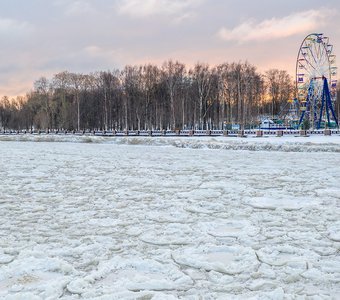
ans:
(42, 38)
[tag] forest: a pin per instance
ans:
(151, 97)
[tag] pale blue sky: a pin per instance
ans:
(41, 38)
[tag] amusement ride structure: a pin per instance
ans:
(316, 83)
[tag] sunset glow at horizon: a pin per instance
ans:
(42, 39)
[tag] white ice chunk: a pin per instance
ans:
(224, 259)
(334, 232)
(287, 203)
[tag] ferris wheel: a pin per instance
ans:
(316, 82)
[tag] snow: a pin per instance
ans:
(168, 218)
(230, 260)
(287, 143)
(334, 231)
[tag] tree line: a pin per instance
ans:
(150, 97)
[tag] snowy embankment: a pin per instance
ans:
(101, 219)
(272, 143)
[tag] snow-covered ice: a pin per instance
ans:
(168, 218)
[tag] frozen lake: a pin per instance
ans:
(168, 220)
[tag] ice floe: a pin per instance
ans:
(169, 218)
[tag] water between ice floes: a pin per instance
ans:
(108, 221)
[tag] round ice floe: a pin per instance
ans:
(274, 294)
(329, 191)
(5, 258)
(334, 232)
(136, 274)
(328, 276)
(313, 274)
(164, 240)
(105, 222)
(172, 234)
(25, 264)
(45, 275)
(286, 203)
(219, 278)
(23, 295)
(168, 217)
(49, 285)
(261, 284)
(295, 258)
(330, 265)
(205, 207)
(134, 231)
(229, 228)
(205, 193)
(77, 286)
(224, 259)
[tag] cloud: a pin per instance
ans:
(75, 8)
(14, 28)
(79, 8)
(17, 85)
(106, 57)
(146, 8)
(275, 28)
(97, 52)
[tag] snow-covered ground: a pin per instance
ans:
(168, 218)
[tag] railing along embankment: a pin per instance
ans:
(183, 133)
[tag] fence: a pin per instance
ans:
(174, 133)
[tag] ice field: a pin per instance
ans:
(169, 218)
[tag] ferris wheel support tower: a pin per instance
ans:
(316, 82)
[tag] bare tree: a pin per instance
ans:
(279, 89)
(77, 82)
(173, 73)
(202, 79)
(42, 89)
(150, 97)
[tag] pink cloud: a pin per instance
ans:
(145, 8)
(275, 28)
